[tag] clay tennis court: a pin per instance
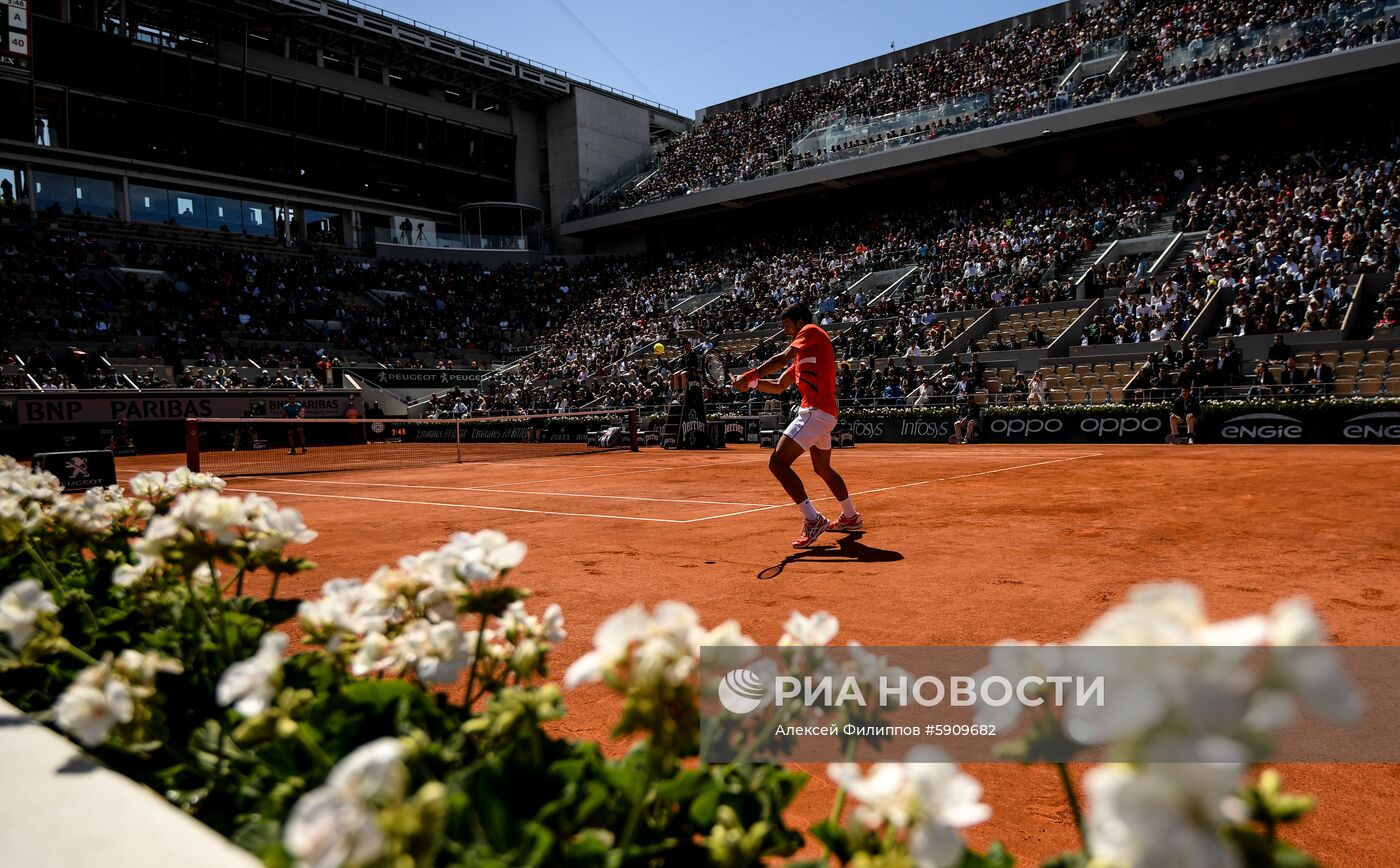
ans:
(963, 546)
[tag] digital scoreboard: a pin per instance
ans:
(14, 37)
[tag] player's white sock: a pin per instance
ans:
(848, 509)
(809, 511)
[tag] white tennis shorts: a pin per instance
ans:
(811, 428)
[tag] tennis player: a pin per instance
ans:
(294, 410)
(809, 362)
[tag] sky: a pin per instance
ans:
(695, 54)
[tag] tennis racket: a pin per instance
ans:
(713, 369)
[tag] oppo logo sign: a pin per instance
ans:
(924, 428)
(1262, 426)
(1373, 426)
(1120, 426)
(1026, 427)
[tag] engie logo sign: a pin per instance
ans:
(1373, 426)
(1262, 426)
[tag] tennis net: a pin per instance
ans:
(268, 447)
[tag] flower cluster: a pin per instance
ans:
(927, 795)
(1179, 679)
(250, 685)
(660, 649)
(200, 526)
(25, 498)
(21, 606)
(404, 617)
(338, 823)
(111, 693)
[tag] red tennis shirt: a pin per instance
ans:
(814, 368)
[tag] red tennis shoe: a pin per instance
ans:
(848, 524)
(810, 531)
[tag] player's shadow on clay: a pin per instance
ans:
(848, 549)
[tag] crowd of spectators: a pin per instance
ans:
(1020, 72)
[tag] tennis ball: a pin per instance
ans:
(660, 349)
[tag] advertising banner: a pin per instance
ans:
(66, 408)
(419, 378)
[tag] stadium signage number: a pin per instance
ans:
(15, 48)
(1262, 426)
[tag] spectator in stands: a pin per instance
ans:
(1185, 410)
(1018, 390)
(925, 394)
(1320, 376)
(1279, 351)
(1293, 379)
(1263, 382)
(1389, 319)
(1036, 391)
(1229, 360)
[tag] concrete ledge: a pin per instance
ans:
(62, 810)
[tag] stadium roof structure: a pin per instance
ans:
(466, 70)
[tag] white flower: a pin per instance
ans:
(372, 772)
(926, 794)
(375, 654)
(506, 557)
(801, 630)
(207, 511)
(330, 829)
(248, 684)
(141, 668)
(1162, 815)
(272, 528)
(1014, 661)
(182, 479)
(127, 575)
(552, 625)
(438, 652)
(611, 642)
(21, 604)
(148, 484)
(342, 609)
(1304, 664)
(93, 704)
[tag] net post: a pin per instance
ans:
(632, 427)
(192, 444)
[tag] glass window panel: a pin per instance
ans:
(188, 209)
(259, 219)
(224, 214)
(95, 196)
(149, 204)
(52, 189)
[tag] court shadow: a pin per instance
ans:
(848, 549)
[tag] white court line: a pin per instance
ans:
(459, 505)
(512, 491)
(494, 485)
(893, 487)
(633, 517)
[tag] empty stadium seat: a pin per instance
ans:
(1356, 356)
(1392, 386)
(1077, 396)
(1368, 387)
(1098, 395)
(1116, 393)
(1058, 396)
(1377, 355)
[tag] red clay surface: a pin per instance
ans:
(964, 546)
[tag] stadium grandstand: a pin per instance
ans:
(1082, 204)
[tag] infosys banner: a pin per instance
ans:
(66, 408)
